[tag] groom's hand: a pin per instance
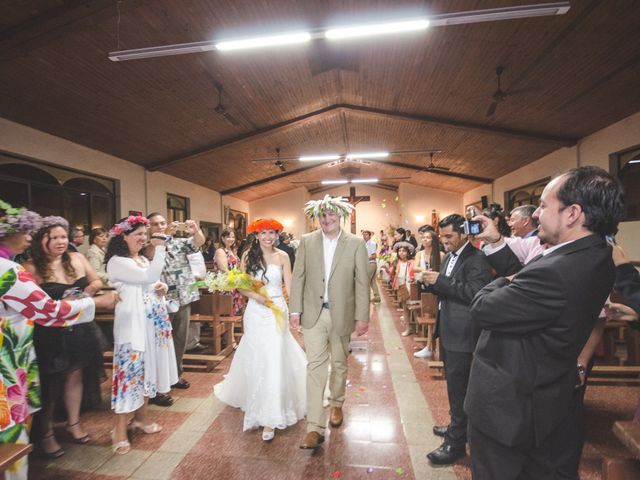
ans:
(361, 328)
(294, 320)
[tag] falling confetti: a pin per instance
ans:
(336, 474)
(397, 198)
(370, 470)
(362, 389)
(399, 471)
(384, 386)
(357, 395)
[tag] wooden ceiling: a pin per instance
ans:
(575, 74)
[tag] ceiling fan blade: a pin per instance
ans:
(437, 168)
(393, 178)
(492, 109)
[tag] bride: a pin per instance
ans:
(267, 378)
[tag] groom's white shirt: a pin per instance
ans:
(329, 250)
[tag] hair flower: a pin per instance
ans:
(127, 225)
(264, 224)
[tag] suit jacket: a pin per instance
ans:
(524, 369)
(348, 282)
(471, 272)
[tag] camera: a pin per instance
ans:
(472, 227)
(181, 226)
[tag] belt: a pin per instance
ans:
(325, 305)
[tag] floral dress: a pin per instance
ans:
(23, 303)
(238, 299)
(138, 374)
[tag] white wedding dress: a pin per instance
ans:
(267, 378)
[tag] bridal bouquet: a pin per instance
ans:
(235, 279)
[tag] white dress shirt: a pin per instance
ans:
(372, 248)
(329, 249)
(453, 260)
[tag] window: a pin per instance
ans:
(526, 195)
(626, 166)
(85, 200)
(177, 208)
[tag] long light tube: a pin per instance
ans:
(368, 155)
(334, 182)
(377, 29)
(457, 18)
(319, 158)
(263, 42)
(634, 161)
(365, 180)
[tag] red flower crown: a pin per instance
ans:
(127, 224)
(264, 224)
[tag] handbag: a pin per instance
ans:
(198, 267)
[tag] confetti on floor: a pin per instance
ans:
(399, 471)
(336, 474)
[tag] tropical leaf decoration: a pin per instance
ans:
(337, 205)
(7, 280)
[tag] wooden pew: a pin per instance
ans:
(10, 453)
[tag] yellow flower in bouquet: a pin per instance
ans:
(235, 279)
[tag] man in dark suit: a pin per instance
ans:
(522, 384)
(463, 273)
(283, 244)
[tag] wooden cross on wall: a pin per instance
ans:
(355, 200)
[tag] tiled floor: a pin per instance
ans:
(391, 406)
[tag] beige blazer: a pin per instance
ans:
(348, 282)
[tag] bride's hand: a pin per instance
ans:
(260, 299)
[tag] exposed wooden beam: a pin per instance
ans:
(323, 188)
(420, 168)
(269, 179)
(242, 138)
(42, 29)
(415, 117)
(475, 127)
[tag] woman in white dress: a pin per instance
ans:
(267, 378)
(144, 362)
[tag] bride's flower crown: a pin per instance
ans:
(127, 225)
(337, 205)
(264, 224)
(17, 220)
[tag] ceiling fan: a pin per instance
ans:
(432, 167)
(221, 109)
(500, 95)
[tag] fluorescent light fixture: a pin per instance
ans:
(263, 42)
(634, 161)
(364, 180)
(319, 158)
(495, 14)
(161, 51)
(334, 182)
(368, 155)
(377, 29)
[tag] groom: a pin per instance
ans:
(330, 294)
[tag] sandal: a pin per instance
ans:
(52, 455)
(81, 440)
(148, 429)
(122, 447)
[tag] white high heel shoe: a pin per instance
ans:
(268, 434)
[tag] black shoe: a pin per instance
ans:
(182, 383)
(162, 400)
(440, 430)
(446, 454)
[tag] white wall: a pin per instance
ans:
(285, 207)
(416, 204)
(591, 150)
(205, 203)
(381, 212)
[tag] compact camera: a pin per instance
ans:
(472, 227)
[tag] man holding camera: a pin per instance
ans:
(464, 271)
(522, 385)
(178, 276)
